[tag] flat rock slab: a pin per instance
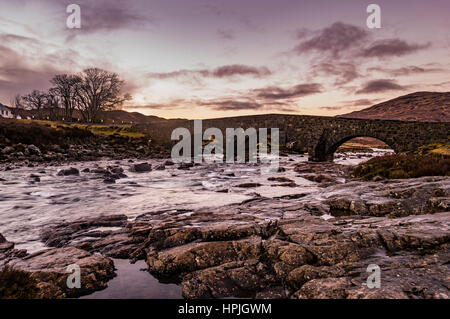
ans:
(49, 268)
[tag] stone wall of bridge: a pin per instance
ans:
(321, 136)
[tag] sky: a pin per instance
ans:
(207, 58)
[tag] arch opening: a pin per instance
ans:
(355, 149)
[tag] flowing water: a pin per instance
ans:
(26, 207)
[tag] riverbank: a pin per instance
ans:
(24, 143)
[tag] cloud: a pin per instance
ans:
(225, 71)
(232, 105)
(302, 33)
(350, 41)
(167, 105)
(392, 47)
(245, 104)
(232, 15)
(343, 72)
(277, 93)
(443, 84)
(20, 72)
(407, 70)
(348, 105)
(332, 108)
(361, 102)
(176, 74)
(109, 16)
(226, 34)
(335, 39)
(382, 85)
(240, 69)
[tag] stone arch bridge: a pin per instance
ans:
(320, 136)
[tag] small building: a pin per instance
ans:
(6, 112)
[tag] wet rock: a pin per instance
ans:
(116, 170)
(67, 233)
(234, 279)
(325, 288)
(8, 252)
(439, 192)
(160, 167)
(34, 150)
(280, 179)
(196, 256)
(99, 170)
(290, 184)
(90, 235)
(68, 172)
(222, 190)
(321, 178)
(248, 185)
(49, 268)
(185, 166)
(141, 168)
(35, 178)
(301, 275)
(345, 206)
(8, 150)
(109, 180)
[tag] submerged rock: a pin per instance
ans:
(69, 171)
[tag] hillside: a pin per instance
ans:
(419, 106)
(108, 117)
(127, 117)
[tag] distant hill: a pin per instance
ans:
(419, 106)
(108, 117)
(117, 116)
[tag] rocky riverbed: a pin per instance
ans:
(221, 230)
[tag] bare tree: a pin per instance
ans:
(66, 88)
(36, 100)
(99, 91)
(52, 105)
(17, 102)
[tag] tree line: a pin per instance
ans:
(90, 92)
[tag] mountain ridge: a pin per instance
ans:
(418, 106)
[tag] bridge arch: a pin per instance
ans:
(328, 144)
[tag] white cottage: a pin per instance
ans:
(5, 112)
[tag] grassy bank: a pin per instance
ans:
(42, 134)
(22, 140)
(432, 160)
